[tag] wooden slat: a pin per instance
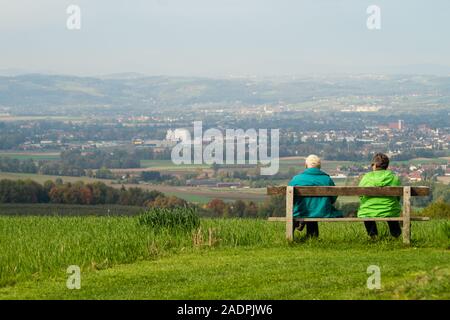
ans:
(349, 191)
(407, 215)
(272, 191)
(283, 219)
(289, 213)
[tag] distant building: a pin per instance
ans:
(138, 142)
(447, 172)
(178, 135)
(415, 176)
(211, 183)
(158, 144)
(228, 184)
(339, 176)
(399, 125)
(201, 182)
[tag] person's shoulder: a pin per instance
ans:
(395, 178)
(365, 177)
(324, 173)
(329, 180)
(296, 179)
(391, 173)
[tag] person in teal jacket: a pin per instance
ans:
(380, 207)
(313, 207)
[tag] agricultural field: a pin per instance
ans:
(36, 156)
(298, 164)
(42, 178)
(417, 161)
(445, 180)
(285, 164)
(35, 118)
(330, 165)
(168, 165)
(206, 194)
(121, 258)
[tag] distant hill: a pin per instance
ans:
(133, 92)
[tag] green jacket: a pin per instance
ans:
(314, 207)
(377, 207)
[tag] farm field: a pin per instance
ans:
(285, 164)
(298, 164)
(445, 180)
(205, 194)
(223, 259)
(42, 178)
(330, 165)
(169, 165)
(34, 118)
(442, 160)
(36, 156)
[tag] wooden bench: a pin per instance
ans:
(405, 192)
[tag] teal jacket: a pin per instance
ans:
(314, 207)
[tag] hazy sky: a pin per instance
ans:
(222, 37)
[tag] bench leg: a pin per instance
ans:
(406, 215)
(289, 213)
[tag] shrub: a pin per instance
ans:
(439, 209)
(349, 209)
(181, 218)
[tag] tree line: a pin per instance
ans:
(29, 191)
(76, 163)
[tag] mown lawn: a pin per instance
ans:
(262, 273)
(225, 259)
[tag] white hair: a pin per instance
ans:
(312, 161)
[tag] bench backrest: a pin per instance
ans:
(350, 191)
(406, 192)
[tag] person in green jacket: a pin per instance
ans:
(380, 207)
(313, 207)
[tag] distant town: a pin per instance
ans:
(405, 117)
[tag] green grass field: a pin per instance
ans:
(167, 165)
(285, 164)
(422, 161)
(194, 198)
(36, 156)
(224, 259)
(298, 164)
(41, 178)
(330, 165)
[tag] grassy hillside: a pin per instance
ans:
(224, 259)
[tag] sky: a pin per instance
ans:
(221, 38)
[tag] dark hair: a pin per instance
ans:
(380, 160)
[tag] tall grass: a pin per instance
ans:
(35, 247)
(52, 209)
(180, 219)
